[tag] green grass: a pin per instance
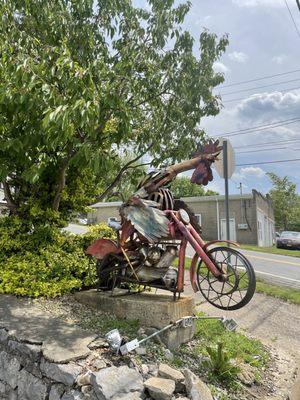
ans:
(272, 250)
(284, 293)
(240, 348)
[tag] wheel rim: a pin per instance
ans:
(233, 293)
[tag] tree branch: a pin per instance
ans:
(9, 199)
(119, 176)
(62, 180)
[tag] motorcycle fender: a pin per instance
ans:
(101, 247)
(220, 241)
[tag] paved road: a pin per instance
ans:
(75, 228)
(283, 270)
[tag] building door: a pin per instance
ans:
(232, 230)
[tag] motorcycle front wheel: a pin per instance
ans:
(239, 287)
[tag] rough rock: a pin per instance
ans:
(99, 363)
(64, 373)
(168, 355)
(3, 336)
(141, 351)
(31, 351)
(165, 371)
(56, 391)
(246, 374)
(84, 379)
(88, 392)
(99, 342)
(73, 395)
(2, 388)
(9, 366)
(195, 387)
(160, 388)
(112, 382)
(153, 369)
(129, 396)
(30, 387)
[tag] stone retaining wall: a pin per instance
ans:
(25, 374)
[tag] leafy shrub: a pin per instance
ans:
(45, 261)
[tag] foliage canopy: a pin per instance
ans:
(182, 187)
(286, 202)
(80, 80)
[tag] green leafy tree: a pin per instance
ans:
(81, 81)
(182, 187)
(285, 201)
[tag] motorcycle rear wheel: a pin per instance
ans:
(239, 287)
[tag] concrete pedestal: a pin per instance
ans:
(152, 310)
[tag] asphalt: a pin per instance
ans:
(273, 268)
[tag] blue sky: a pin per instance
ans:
(263, 42)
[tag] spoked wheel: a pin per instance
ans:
(239, 287)
(108, 272)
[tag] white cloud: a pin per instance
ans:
(259, 3)
(277, 105)
(220, 67)
(238, 56)
(248, 172)
(279, 59)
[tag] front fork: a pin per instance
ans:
(191, 236)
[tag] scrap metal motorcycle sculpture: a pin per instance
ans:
(155, 229)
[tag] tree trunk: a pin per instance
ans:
(12, 206)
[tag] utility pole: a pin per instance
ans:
(298, 4)
(225, 166)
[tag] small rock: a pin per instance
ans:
(73, 395)
(116, 381)
(3, 336)
(56, 391)
(246, 374)
(168, 355)
(99, 363)
(64, 373)
(128, 396)
(88, 392)
(84, 379)
(165, 371)
(153, 370)
(195, 387)
(141, 351)
(99, 342)
(144, 369)
(141, 332)
(160, 388)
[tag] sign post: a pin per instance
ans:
(225, 166)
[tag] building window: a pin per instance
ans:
(199, 219)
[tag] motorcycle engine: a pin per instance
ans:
(157, 265)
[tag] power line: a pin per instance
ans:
(244, 98)
(258, 128)
(260, 87)
(295, 25)
(268, 143)
(270, 149)
(268, 162)
(260, 78)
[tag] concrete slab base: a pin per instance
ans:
(152, 310)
